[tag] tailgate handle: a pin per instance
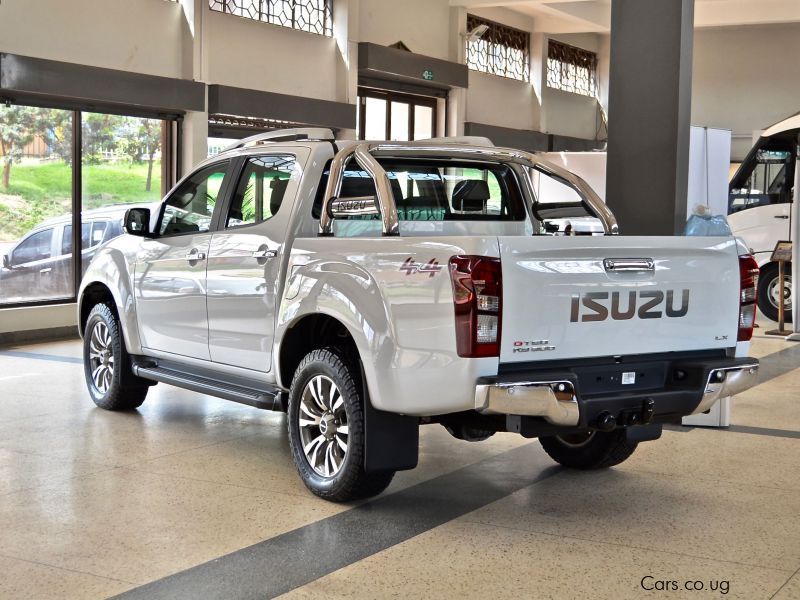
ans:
(629, 265)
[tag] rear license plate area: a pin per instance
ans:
(621, 378)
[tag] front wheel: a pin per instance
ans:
(769, 292)
(326, 429)
(107, 364)
(589, 450)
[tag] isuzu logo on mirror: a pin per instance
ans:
(621, 306)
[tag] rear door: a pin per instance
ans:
(575, 296)
(246, 258)
(170, 272)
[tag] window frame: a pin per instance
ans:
(262, 16)
(236, 179)
(35, 232)
(588, 55)
(390, 96)
(172, 154)
(494, 38)
(221, 199)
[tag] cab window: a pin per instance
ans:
(34, 247)
(92, 235)
(261, 190)
(190, 208)
(765, 178)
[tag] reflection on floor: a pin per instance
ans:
(94, 504)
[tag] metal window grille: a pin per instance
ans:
(571, 69)
(502, 50)
(314, 16)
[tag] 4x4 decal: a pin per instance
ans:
(410, 266)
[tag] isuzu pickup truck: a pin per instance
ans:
(369, 288)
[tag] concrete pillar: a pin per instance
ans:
(649, 109)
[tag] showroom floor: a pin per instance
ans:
(193, 497)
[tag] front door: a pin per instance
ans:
(170, 279)
(245, 260)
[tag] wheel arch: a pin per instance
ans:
(310, 332)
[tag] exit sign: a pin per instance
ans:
(427, 75)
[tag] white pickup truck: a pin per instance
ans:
(370, 288)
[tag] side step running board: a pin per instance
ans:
(266, 399)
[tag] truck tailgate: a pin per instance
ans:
(582, 296)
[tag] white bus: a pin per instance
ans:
(759, 206)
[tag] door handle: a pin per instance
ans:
(629, 265)
(781, 216)
(264, 253)
(195, 255)
(46, 270)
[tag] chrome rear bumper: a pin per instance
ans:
(557, 400)
(554, 400)
(727, 381)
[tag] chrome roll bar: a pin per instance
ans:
(364, 154)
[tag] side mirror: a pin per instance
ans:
(137, 222)
(355, 206)
(6, 261)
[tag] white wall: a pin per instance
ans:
(145, 36)
(565, 113)
(745, 78)
(422, 25)
(249, 54)
(502, 101)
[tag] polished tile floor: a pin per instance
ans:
(195, 497)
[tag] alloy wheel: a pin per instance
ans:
(101, 357)
(323, 426)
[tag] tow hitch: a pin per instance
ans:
(629, 417)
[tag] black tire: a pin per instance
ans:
(767, 281)
(597, 450)
(119, 388)
(349, 481)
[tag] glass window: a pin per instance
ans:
(423, 122)
(762, 179)
(261, 190)
(556, 203)
(385, 115)
(190, 207)
(35, 185)
(441, 190)
(375, 120)
(399, 130)
(501, 50)
(36, 247)
(571, 69)
(314, 16)
(92, 235)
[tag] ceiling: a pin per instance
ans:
(579, 16)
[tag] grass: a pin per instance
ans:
(39, 191)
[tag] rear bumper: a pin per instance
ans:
(574, 398)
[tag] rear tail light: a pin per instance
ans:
(478, 299)
(748, 276)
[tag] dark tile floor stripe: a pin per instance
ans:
(787, 433)
(298, 557)
(40, 356)
(779, 363)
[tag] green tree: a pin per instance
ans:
(100, 135)
(17, 130)
(142, 141)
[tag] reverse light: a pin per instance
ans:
(748, 277)
(478, 302)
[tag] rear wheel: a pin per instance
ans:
(769, 291)
(589, 450)
(326, 429)
(107, 364)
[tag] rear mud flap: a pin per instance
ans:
(391, 440)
